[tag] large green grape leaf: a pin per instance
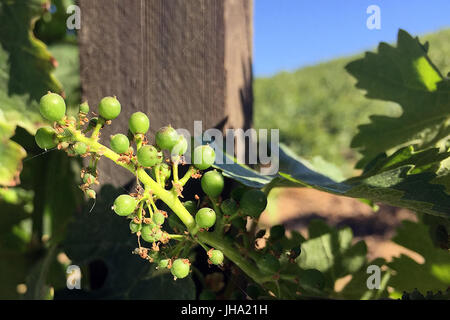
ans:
(433, 274)
(417, 180)
(102, 235)
(14, 264)
(331, 252)
(357, 287)
(25, 75)
(11, 155)
(405, 75)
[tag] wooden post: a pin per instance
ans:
(176, 60)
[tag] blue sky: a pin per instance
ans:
(289, 34)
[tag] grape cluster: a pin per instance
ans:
(156, 167)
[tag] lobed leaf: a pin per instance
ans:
(404, 75)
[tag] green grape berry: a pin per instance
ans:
(216, 257)
(124, 205)
(164, 263)
(84, 108)
(204, 157)
(91, 194)
(205, 217)
(109, 108)
(158, 218)
(180, 268)
(253, 203)
(135, 227)
(119, 143)
(80, 148)
(180, 147)
(166, 138)
(229, 207)
(151, 232)
(268, 263)
(148, 156)
(277, 232)
(212, 183)
(88, 178)
(52, 107)
(191, 206)
(45, 138)
(139, 123)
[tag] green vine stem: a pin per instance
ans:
(98, 126)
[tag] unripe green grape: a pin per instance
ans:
(135, 227)
(204, 157)
(148, 156)
(45, 138)
(109, 108)
(80, 148)
(277, 232)
(205, 218)
(180, 147)
(139, 123)
(151, 232)
(212, 183)
(119, 143)
(166, 138)
(180, 268)
(90, 193)
(88, 178)
(268, 263)
(216, 257)
(190, 206)
(253, 203)
(52, 107)
(124, 205)
(164, 263)
(158, 218)
(84, 108)
(229, 207)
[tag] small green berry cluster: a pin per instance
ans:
(224, 226)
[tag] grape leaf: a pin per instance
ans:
(433, 274)
(25, 75)
(11, 155)
(357, 288)
(405, 75)
(332, 253)
(417, 180)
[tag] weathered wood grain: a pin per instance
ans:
(176, 60)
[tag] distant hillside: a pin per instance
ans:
(318, 108)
